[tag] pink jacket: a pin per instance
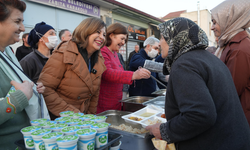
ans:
(112, 82)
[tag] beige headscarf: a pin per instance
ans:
(233, 16)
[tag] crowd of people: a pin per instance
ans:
(207, 102)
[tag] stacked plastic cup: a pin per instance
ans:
(37, 122)
(50, 140)
(73, 122)
(46, 125)
(85, 124)
(99, 119)
(76, 115)
(86, 139)
(28, 140)
(66, 113)
(37, 137)
(102, 133)
(67, 142)
(87, 117)
(71, 130)
(58, 127)
(62, 119)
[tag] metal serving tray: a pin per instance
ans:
(158, 101)
(114, 117)
(134, 103)
(161, 92)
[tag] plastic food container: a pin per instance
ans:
(71, 130)
(37, 137)
(50, 140)
(73, 122)
(133, 119)
(76, 115)
(152, 120)
(87, 117)
(141, 115)
(66, 113)
(146, 112)
(86, 139)
(62, 119)
(37, 122)
(46, 125)
(85, 124)
(101, 138)
(58, 127)
(67, 142)
(28, 140)
(98, 119)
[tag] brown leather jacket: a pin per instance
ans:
(69, 84)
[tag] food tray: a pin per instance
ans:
(158, 101)
(152, 120)
(149, 112)
(113, 138)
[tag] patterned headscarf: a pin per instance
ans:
(233, 16)
(182, 35)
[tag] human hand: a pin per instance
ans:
(141, 73)
(155, 130)
(25, 87)
(40, 88)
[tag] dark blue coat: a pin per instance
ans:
(143, 87)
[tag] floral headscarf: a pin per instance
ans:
(182, 35)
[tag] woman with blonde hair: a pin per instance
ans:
(72, 75)
(231, 19)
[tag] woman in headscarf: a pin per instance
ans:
(202, 106)
(230, 20)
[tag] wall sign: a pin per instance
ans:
(135, 32)
(73, 5)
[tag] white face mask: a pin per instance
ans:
(153, 53)
(53, 41)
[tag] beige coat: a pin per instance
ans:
(69, 84)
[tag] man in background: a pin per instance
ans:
(25, 49)
(131, 54)
(65, 35)
(144, 87)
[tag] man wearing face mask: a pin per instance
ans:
(43, 39)
(144, 87)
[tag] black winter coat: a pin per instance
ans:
(202, 106)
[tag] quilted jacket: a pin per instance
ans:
(69, 84)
